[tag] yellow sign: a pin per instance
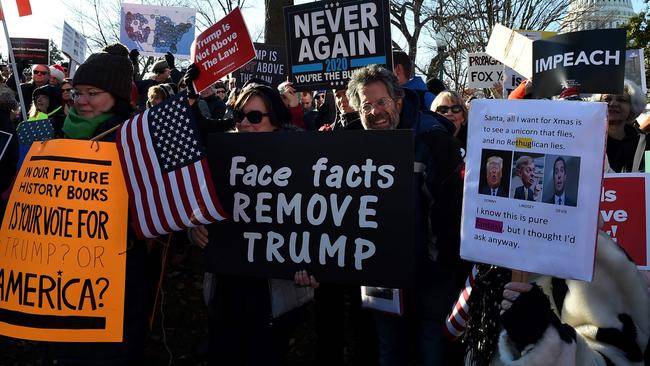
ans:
(63, 244)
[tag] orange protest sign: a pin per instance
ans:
(63, 245)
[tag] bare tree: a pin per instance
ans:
(468, 24)
(209, 12)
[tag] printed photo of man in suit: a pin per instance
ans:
(525, 169)
(560, 195)
(493, 174)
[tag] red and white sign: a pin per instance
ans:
(221, 49)
(624, 210)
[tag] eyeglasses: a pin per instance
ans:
(220, 91)
(382, 102)
(456, 108)
(89, 96)
(36, 72)
(66, 90)
(320, 96)
(253, 117)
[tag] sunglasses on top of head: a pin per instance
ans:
(456, 108)
(253, 117)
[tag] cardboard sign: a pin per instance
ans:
(155, 30)
(512, 49)
(592, 61)
(483, 71)
(624, 209)
(532, 185)
(327, 41)
(341, 208)
(511, 78)
(73, 44)
(63, 245)
(31, 50)
(269, 65)
(635, 68)
(221, 49)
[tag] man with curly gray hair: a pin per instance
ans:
(384, 105)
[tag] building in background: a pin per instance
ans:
(597, 14)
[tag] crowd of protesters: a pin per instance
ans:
(545, 321)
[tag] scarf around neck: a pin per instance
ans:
(81, 128)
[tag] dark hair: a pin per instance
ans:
(279, 114)
(401, 58)
(559, 158)
(436, 86)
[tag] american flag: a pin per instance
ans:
(456, 322)
(39, 130)
(167, 172)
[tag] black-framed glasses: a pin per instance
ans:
(253, 117)
(382, 102)
(38, 72)
(456, 108)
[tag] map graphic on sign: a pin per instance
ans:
(156, 30)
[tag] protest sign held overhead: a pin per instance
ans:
(62, 242)
(31, 50)
(592, 61)
(327, 41)
(73, 44)
(155, 30)
(511, 78)
(532, 185)
(512, 49)
(483, 71)
(341, 209)
(221, 49)
(269, 65)
(624, 211)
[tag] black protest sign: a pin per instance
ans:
(270, 65)
(338, 205)
(592, 61)
(326, 40)
(31, 50)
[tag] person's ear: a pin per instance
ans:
(399, 103)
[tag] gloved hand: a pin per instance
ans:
(191, 74)
(169, 57)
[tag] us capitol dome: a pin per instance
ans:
(597, 14)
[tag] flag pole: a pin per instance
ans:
(13, 65)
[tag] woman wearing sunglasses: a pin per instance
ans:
(246, 328)
(450, 105)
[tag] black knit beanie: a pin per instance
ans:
(110, 70)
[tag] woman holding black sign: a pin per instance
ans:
(247, 325)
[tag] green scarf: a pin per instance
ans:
(80, 128)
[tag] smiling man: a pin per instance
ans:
(560, 196)
(384, 105)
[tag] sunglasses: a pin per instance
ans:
(253, 117)
(66, 89)
(36, 72)
(456, 108)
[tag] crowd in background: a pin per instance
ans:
(548, 321)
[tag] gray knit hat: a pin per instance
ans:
(110, 70)
(160, 66)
